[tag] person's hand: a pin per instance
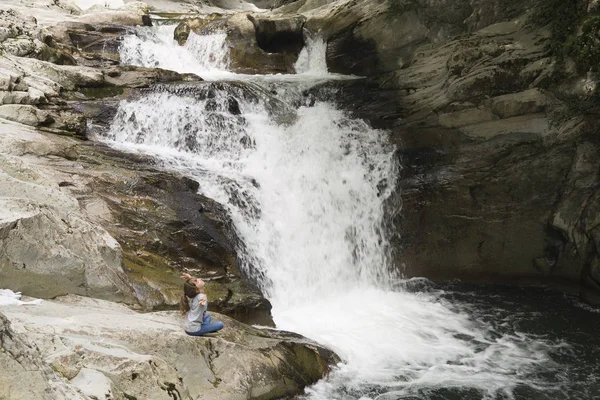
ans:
(185, 276)
(203, 301)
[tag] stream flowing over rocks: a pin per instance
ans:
(316, 162)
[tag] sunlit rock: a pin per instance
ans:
(104, 349)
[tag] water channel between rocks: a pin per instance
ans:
(308, 189)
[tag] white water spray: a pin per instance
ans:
(311, 60)
(307, 198)
(207, 56)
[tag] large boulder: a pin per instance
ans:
(105, 350)
(279, 34)
(24, 114)
(48, 248)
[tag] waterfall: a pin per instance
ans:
(307, 189)
(156, 48)
(311, 60)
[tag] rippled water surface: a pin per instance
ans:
(549, 316)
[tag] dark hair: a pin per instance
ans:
(189, 290)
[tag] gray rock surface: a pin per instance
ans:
(103, 349)
(24, 374)
(47, 246)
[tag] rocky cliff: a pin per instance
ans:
(493, 109)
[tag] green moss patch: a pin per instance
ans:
(102, 92)
(575, 38)
(155, 281)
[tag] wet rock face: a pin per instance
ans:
(164, 226)
(279, 35)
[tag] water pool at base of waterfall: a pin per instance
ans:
(560, 321)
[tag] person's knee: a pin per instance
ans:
(215, 326)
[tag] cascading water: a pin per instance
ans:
(307, 189)
(155, 48)
(311, 60)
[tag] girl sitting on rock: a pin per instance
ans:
(193, 305)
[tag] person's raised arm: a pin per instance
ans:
(186, 276)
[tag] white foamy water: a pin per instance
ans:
(10, 298)
(207, 56)
(307, 192)
(311, 60)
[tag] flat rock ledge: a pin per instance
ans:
(80, 348)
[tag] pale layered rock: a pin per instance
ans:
(49, 251)
(9, 79)
(132, 14)
(48, 248)
(32, 96)
(13, 25)
(25, 114)
(23, 47)
(23, 74)
(104, 349)
(24, 374)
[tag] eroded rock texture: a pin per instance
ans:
(495, 128)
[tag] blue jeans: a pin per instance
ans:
(207, 326)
